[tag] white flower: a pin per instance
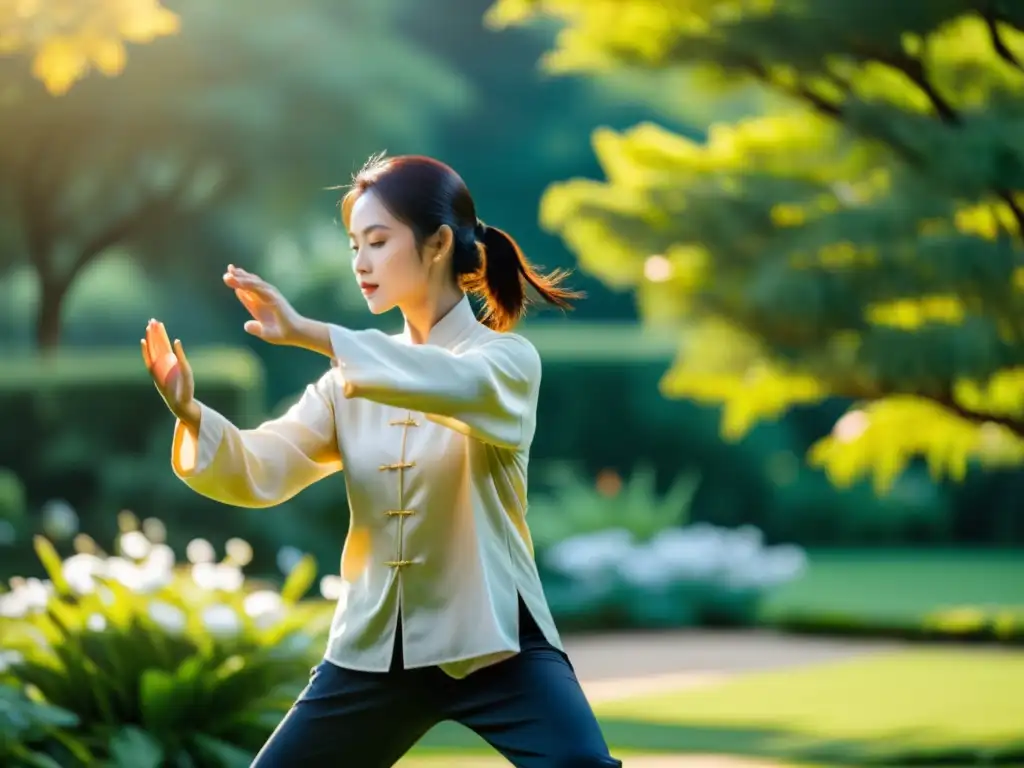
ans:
(200, 551)
(265, 607)
(126, 572)
(221, 620)
(205, 575)
(592, 552)
(154, 530)
(642, 568)
(168, 617)
(239, 550)
(134, 544)
(96, 622)
(79, 572)
(218, 576)
(229, 577)
(686, 556)
(34, 594)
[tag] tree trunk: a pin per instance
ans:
(51, 301)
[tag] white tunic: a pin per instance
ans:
(434, 440)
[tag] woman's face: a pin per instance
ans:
(390, 270)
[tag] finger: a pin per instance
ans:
(257, 286)
(254, 327)
(165, 368)
(179, 353)
(159, 344)
(145, 355)
(249, 301)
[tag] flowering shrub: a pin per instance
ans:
(161, 663)
(616, 552)
(684, 576)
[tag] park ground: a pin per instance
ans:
(706, 699)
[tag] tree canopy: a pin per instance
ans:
(862, 240)
(66, 39)
(262, 111)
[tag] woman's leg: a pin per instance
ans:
(531, 708)
(357, 719)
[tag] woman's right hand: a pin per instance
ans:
(171, 373)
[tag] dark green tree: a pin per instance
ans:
(863, 239)
(252, 107)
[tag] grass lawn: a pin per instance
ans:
(899, 587)
(929, 705)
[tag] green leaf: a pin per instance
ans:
(160, 704)
(134, 748)
(225, 755)
(38, 760)
(54, 566)
(299, 580)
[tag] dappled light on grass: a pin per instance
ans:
(920, 699)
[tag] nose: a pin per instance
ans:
(361, 263)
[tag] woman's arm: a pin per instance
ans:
(488, 392)
(259, 467)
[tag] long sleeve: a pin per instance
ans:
(265, 466)
(488, 392)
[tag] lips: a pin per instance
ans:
(367, 288)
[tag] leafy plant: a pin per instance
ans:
(32, 734)
(578, 506)
(162, 665)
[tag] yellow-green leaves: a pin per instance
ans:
(881, 438)
(68, 38)
(861, 240)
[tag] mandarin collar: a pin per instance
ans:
(450, 328)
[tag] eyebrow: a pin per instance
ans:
(372, 227)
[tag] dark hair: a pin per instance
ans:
(426, 194)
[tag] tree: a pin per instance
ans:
(862, 241)
(253, 115)
(67, 38)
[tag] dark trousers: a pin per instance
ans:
(530, 708)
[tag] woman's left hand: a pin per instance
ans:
(273, 319)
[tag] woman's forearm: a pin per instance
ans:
(191, 416)
(314, 336)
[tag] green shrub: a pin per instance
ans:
(617, 553)
(162, 665)
(94, 434)
(955, 624)
(34, 734)
(576, 505)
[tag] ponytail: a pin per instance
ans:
(503, 278)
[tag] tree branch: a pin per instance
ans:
(152, 210)
(992, 21)
(944, 399)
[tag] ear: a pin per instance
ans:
(439, 244)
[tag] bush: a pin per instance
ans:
(967, 623)
(33, 734)
(160, 664)
(93, 435)
(614, 553)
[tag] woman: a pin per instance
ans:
(442, 615)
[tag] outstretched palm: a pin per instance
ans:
(273, 318)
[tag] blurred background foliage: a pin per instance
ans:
(793, 397)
